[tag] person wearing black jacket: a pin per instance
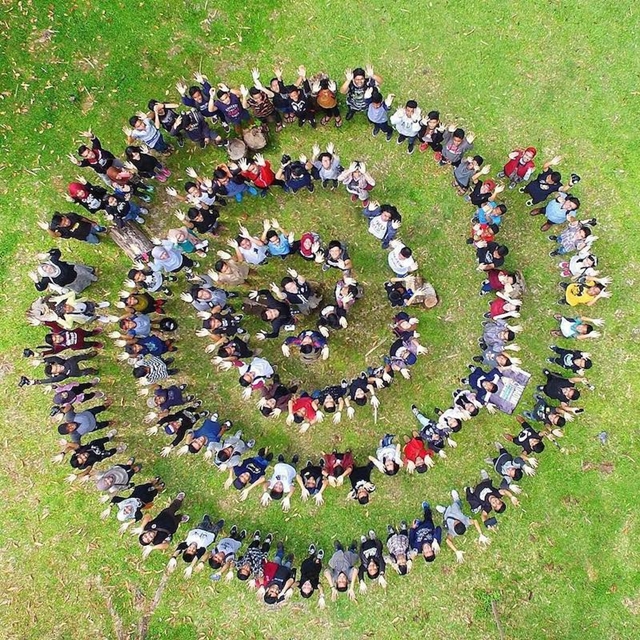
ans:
(58, 369)
(573, 360)
(272, 310)
(372, 563)
(65, 275)
(73, 225)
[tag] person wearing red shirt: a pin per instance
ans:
(415, 455)
(520, 166)
(482, 232)
(304, 411)
(260, 173)
(503, 307)
(277, 577)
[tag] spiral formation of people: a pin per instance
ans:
(193, 197)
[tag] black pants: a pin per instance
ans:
(385, 127)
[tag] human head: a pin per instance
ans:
(496, 503)
(376, 98)
(459, 528)
(571, 203)
(458, 135)
(195, 93)
(410, 107)
(359, 77)
(433, 119)
(306, 589)
(428, 553)
(78, 191)
(137, 123)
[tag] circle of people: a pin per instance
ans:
(211, 116)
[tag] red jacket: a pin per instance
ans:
(263, 178)
(415, 449)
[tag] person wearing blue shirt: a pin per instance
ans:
(424, 536)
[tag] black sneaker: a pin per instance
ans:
(243, 534)
(233, 531)
(320, 554)
(390, 529)
(27, 353)
(477, 358)
(375, 132)
(23, 381)
(411, 148)
(312, 550)
(180, 142)
(553, 238)
(389, 136)
(337, 545)
(256, 534)
(280, 458)
(295, 459)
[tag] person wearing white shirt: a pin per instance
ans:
(400, 259)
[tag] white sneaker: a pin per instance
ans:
(440, 508)
(455, 495)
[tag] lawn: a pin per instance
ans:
(560, 76)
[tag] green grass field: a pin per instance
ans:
(560, 76)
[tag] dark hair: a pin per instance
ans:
(494, 228)
(297, 419)
(82, 148)
(55, 221)
(364, 499)
(266, 411)
(333, 244)
(130, 150)
(479, 160)
(151, 104)
(492, 387)
(254, 91)
(538, 447)
(576, 394)
(49, 339)
(276, 495)
(271, 234)
(502, 250)
(215, 564)
(358, 71)
(325, 154)
(457, 427)
(338, 470)
(402, 569)
(555, 177)
(589, 329)
(510, 335)
(458, 133)
(306, 595)
(459, 528)
(140, 372)
(405, 252)
(361, 401)
(396, 468)
(342, 589)
(587, 363)
(63, 429)
(501, 508)
(411, 104)
(218, 266)
(193, 213)
(502, 208)
(187, 556)
(194, 89)
(241, 576)
(47, 369)
(433, 115)
(189, 185)
(133, 120)
(306, 348)
(575, 201)
(219, 173)
(130, 349)
(517, 474)
(376, 97)
(223, 456)
(243, 382)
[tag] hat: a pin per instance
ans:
(238, 484)
(326, 99)
(491, 184)
(532, 150)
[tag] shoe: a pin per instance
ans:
(350, 114)
(389, 136)
(337, 545)
(295, 459)
(23, 381)
(501, 174)
(185, 518)
(440, 508)
(181, 496)
(553, 238)
(281, 458)
(243, 534)
(423, 147)
(375, 132)
(353, 546)
(521, 189)
(140, 220)
(414, 409)
(512, 185)
(269, 538)
(312, 550)
(403, 525)
(313, 124)
(425, 505)
(529, 203)
(289, 558)
(280, 546)
(410, 149)
(256, 534)
(477, 358)
(437, 156)
(390, 529)
(180, 142)
(320, 554)
(27, 353)
(372, 534)
(455, 495)
(233, 531)
(363, 538)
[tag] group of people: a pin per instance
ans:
(145, 330)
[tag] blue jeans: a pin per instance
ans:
(160, 145)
